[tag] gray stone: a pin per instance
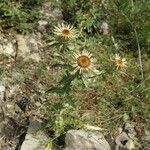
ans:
(34, 57)
(146, 138)
(123, 141)
(83, 140)
(32, 140)
(105, 28)
(57, 13)
(28, 47)
(32, 43)
(7, 48)
(49, 11)
(109, 138)
(2, 88)
(22, 49)
(2, 91)
(129, 128)
(42, 25)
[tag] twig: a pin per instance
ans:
(139, 51)
(132, 3)
(114, 42)
(138, 45)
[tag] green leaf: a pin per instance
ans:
(57, 90)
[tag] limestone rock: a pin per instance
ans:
(9, 50)
(57, 13)
(122, 139)
(28, 47)
(146, 138)
(129, 128)
(124, 142)
(32, 43)
(7, 47)
(105, 28)
(22, 49)
(126, 139)
(32, 140)
(83, 140)
(42, 25)
(49, 11)
(2, 90)
(35, 57)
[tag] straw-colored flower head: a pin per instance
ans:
(120, 62)
(65, 31)
(84, 62)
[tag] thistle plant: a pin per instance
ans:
(79, 64)
(65, 32)
(120, 62)
(63, 35)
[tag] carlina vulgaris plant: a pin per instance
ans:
(64, 31)
(81, 64)
(64, 34)
(120, 62)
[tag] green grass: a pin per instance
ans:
(19, 15)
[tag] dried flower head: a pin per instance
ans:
(65, 31)
(120, 62)
(84, 62)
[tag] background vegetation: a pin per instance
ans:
(114, 96)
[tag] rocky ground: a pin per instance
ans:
(19, 56)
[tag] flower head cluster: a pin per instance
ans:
(83, 61)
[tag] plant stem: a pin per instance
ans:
(139, 52)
